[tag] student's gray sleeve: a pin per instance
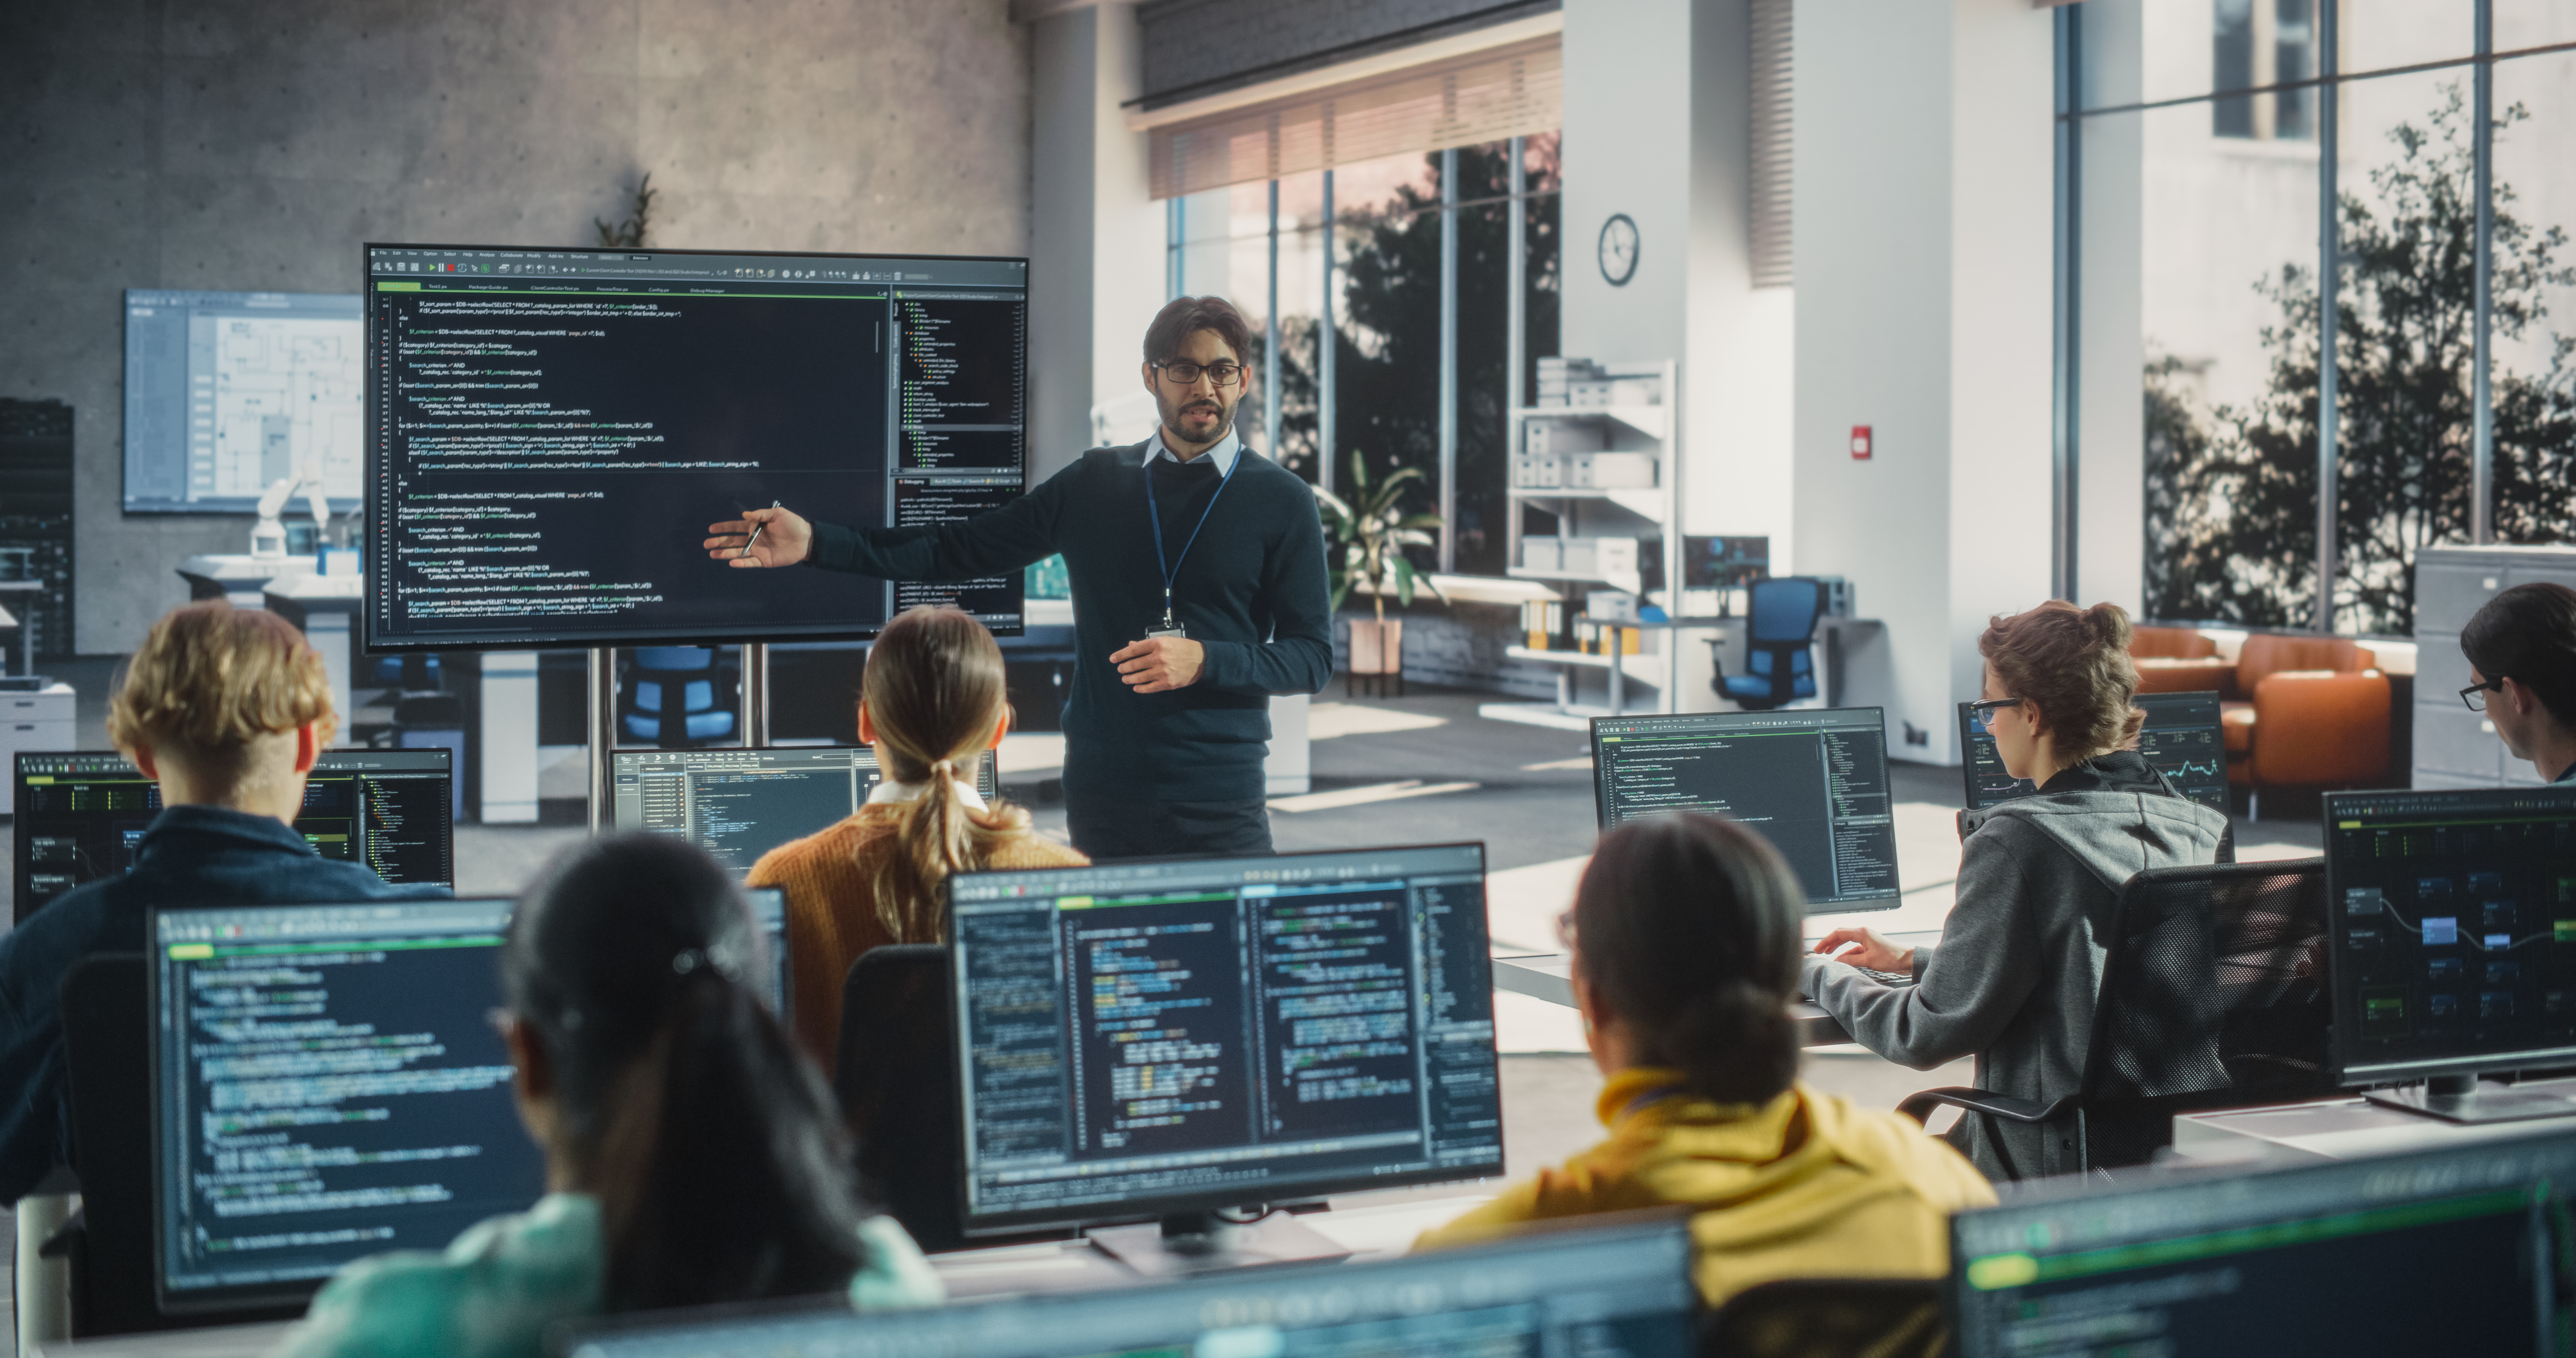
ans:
(1965, 991)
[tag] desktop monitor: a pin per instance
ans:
(1172, 1037)
(739, 804)
(2452, 919)
(2442, 1251)
(228, 392)
(2180, 738)
(1593, 1288)
(327, 1084)
(80, 817)
(550, 432)
(1812, 781)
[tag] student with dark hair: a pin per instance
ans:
(693, 1154)
(2012, 982)
(1685, 941)
(931, 701)
(2522, 670)
(225, 710)
(1199, 591)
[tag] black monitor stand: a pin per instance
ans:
(1196, 1242)
(2460, 1098)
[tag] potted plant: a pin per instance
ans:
(1367, 535)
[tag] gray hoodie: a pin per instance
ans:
(2014, 977)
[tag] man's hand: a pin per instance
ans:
(784, 539)
(1161, 664)
(1871, 951)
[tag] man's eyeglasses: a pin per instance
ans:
(1985, 707)
(2475, 695)
(1222, 374)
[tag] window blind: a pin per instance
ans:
(1484, 96)
(1773, 75)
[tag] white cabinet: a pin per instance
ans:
(39, 722)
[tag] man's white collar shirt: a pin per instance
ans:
(1222, 454)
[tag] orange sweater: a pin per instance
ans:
(832, 916)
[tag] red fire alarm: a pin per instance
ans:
(1860, 443)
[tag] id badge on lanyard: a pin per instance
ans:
(1171, 569)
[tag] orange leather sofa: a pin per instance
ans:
(2296, 711)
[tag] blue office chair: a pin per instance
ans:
(668, 697)
(1778, 655)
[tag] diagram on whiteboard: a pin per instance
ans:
(288, 393)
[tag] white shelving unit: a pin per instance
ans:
(1588, 514)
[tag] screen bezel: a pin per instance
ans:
(1967, 736)
(369, 643)
(973, 1223)
(21, 868)
(245, 1297)
(1601, 801)
(2342, 1066)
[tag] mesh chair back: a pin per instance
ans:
(897, 1082)
(1785, 610)
(2212, 995)
(1829, 1318)
(107, 1063)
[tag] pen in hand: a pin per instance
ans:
(755, 530)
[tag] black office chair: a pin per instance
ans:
(896, 1079)
(1779, 656)
(1829, 1318)
(2212, 996)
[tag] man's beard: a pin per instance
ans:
(1173, 419)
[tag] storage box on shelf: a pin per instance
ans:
(2455, 747)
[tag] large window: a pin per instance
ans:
(2313, 417)
(1420, 277)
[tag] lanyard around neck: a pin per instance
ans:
(1154, 520)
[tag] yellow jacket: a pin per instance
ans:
(1805, 1186)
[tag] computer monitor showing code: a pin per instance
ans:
(1596, 1289)
(1812, 781)
(1164, 1037)
(226, 393)
(2180, 738)
(550, 432)
(327, 1084)
(739, 804)
(2442, 1251)
(81, 816)
(2453, 922)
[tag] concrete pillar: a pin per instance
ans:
(1095, 235)
(1923, 244)
(1657, 126)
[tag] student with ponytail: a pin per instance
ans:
(2012, 982)
(1685, 939)
(693, 1154)
(931, 702)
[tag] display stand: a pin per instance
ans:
(755, 694)
(1193, 1242)
(603, 737)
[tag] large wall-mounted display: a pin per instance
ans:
(550, 432)
(226, 393)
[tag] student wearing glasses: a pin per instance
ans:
(2522, 666)
(2012, 982)
(1198, 592)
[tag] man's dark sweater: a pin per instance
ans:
(1252, 591)
(190, 855)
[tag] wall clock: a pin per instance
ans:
(1618, 250)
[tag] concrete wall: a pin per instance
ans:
(226, 144)
(1922, 239)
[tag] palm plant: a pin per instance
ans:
(1368, 542)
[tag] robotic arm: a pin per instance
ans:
(268, 535)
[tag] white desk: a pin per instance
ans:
(1549, 977)
(1370, 1229)
(2342, 1129)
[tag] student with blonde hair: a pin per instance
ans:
(226, 710)
(932, 703)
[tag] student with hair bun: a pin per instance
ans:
(931, 702)
(2012, 982)
(693, 1154)
(2521, 649)
(1685, 940)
